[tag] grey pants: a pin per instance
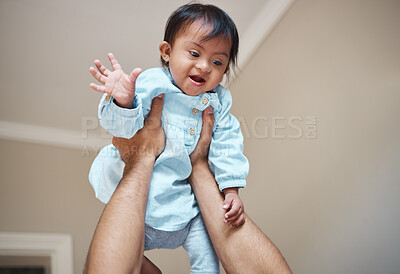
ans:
(194, 239)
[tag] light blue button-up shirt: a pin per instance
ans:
(171, 204)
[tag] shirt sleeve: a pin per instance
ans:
(227, 161)
(120, 122)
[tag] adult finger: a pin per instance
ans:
(154, 118)
(119, 142)
(114, 61)
(124, 146)
(206, 130)
(200, 153)
(116, 141)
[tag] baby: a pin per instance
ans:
(200, 45)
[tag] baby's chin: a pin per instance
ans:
(192, 92)
(195, 92)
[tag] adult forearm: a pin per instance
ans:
(245, 249)
(118, 242)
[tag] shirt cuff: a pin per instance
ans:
(240, 183)
(127, 112)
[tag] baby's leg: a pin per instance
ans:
(148, 267)
(198, 245)
(155, 239)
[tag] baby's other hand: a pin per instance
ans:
(235, 210)
(116, 83)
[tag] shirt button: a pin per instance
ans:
(205, 100)
(108, 97)
(195, 111)
(192, 132)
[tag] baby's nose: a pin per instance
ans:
(204, 66)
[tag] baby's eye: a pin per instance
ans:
(218, 63)
(194, 54)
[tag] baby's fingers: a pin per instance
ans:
(98, 88)
(233, 213)
(102, 68)
(239, 221)
(114, 61)
(99, 77)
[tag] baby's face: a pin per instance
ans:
(198, 66)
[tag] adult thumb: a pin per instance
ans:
(156, 110)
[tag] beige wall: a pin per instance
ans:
(45, 189)
(330, 203)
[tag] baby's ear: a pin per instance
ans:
(165, 51)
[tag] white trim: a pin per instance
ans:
(52, 136)
(57, 246)
(262, 25)
(254, 36)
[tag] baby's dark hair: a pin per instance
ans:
(222, 25)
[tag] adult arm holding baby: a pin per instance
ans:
(118, 242)
(243, 249)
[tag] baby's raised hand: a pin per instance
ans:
(234, 206)
(116, 83)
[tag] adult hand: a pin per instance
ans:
(200, 153)
(147, 142)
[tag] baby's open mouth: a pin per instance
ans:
(197, 79)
